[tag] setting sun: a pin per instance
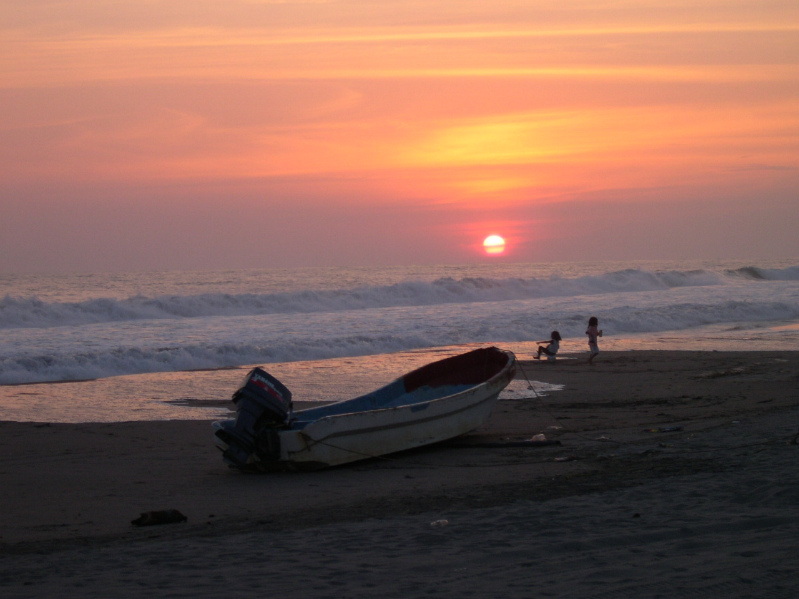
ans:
(494, 245)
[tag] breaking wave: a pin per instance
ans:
(18, 312)
(96, 338)
(161, 346)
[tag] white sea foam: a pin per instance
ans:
(18, 312)
(99, 337)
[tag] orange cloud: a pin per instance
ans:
(499, 107)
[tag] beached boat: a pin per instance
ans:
(436, 402)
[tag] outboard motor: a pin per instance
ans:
(263, 406)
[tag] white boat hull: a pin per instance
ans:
(341, 439)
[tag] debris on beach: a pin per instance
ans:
(159, 517)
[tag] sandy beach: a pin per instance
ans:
(673, 475)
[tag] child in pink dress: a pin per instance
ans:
(593, 333)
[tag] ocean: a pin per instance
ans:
(172, 345)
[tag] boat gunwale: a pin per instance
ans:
(509, 368)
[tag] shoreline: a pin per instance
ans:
(671, 428)
(204, 394)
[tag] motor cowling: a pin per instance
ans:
(263, 406)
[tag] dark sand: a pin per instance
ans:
(624, 506)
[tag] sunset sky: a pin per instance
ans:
(199, 134)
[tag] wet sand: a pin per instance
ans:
(673, 475)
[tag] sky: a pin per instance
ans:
(199, 134)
